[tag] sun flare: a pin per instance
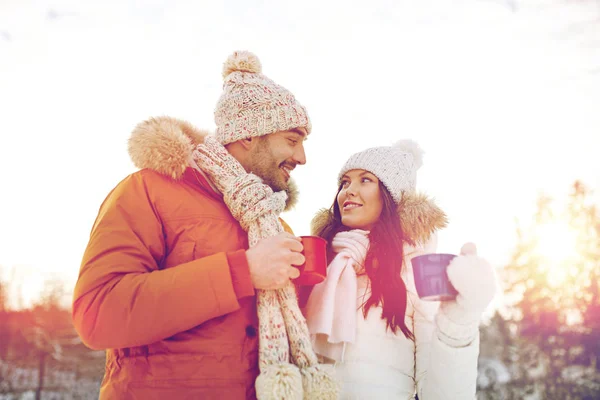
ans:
(556, 245)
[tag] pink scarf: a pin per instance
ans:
(332, 305)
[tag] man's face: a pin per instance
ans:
(275, 156)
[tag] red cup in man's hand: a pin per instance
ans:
(314, 269)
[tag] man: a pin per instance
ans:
(167, 282)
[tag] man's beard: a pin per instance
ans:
(264, 165)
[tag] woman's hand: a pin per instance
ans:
(475, 281)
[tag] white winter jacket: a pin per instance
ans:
(382, 365)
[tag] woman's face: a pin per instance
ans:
(360, 200)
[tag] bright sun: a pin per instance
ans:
(557, 247)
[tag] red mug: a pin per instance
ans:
(314, 269)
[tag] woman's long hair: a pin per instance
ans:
(383, 264)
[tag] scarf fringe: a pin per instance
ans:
(279, 382)
(285, 381)
(318, 382)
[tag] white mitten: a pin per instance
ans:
(475, 281)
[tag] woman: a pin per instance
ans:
(366, 317)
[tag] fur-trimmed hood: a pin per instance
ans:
(165, 145)
(419, 217)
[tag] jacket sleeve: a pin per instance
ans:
(441, 371)
(122, 298)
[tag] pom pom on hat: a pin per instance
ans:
(411, 147)
(242, 61)
(252, 105)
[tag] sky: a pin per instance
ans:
(503, 96)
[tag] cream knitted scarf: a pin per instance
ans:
(282, 329)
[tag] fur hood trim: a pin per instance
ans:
(419, 217)
(165, 145)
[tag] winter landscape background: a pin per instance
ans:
(503, 95)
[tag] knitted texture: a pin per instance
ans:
(396, 166)
(282, 328)
(252, 104)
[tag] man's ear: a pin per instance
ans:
(247, 143)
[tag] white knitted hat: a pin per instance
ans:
(252, 104)
(396, 166)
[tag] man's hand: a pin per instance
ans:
(271, 261)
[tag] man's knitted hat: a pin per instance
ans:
(252, 104)
(396, 166)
